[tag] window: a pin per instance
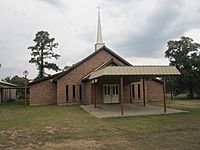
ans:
(138, 90)
(80, 92)
(133, 90)
(116, 90)
(73, 91)
(67, 91)
(113, 90)
(108, 90)
(105, 90)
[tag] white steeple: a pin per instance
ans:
(99, 43)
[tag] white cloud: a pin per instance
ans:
(194, 34)
(148, 61)
(135, 29)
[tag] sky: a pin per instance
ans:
(137, 30)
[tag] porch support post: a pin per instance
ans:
(95, 105)
(131, 95)
(144, 98)
(92, 93)
(122, 95)
(164, 96)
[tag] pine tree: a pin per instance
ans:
(42, 52)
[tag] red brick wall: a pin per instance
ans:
(99, 89)
(155, 91)
(43, 93)
(74, 78)
(87, 93)
(126, 92)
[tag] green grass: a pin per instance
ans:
(70, 127)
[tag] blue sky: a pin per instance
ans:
(138, 30)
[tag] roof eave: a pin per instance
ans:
(88, 57)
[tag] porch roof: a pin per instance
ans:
(3, 83)
(135, 71)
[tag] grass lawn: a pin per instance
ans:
(70, 127)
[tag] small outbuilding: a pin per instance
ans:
(7, 92)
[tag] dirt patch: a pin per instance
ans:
(73, 144)
(49, 130)
(90, 144)
(15, 135)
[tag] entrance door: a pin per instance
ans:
(111, 93)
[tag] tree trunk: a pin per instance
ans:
(41, 67)
(191, 93)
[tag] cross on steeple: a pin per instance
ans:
(99, 42)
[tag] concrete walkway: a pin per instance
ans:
(113, 110)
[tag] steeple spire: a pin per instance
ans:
(99, 43)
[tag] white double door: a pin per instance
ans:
(111, 93)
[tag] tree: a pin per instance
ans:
(42, 52)
(185, 55)
(7, 79)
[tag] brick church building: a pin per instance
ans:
(102, 77)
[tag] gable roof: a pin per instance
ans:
(86, 77)
(57, 76)
(7, 84)
(90, 56)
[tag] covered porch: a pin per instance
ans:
(122, 77)
(112, 110)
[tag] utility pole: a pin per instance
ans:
(172, 88)
(25, 73)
